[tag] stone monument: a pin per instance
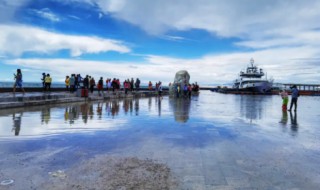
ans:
(181, 78)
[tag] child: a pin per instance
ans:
(285, 100)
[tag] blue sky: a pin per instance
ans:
(152, 40)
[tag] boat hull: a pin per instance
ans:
(260, 87)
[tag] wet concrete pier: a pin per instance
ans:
(10, 100)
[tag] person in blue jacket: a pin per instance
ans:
(294, 97)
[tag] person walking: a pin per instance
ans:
(294, 97)
(18, 81)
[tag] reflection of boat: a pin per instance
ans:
(251, 80)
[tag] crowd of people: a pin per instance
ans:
(76, 81)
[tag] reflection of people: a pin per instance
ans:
(114, 107)
(159, 105)
(181, 108)
(284, 118)
(149, 103)
(126, 106)
(136, 106)
(45, 115)
(294, 97)
(66, 114)
(99, 110)
(84, 112)
(16, 124)
(294, 123)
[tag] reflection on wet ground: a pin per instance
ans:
(211, 141)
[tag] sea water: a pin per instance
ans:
(209, 141)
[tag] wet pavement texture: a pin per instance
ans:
(213, 141)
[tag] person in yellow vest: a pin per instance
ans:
(48, 81)
(67, 82)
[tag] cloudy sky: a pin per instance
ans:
(152, 40)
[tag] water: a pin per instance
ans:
(211, 141)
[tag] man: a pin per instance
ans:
(48, 81)
(43, 82)
(294, 97)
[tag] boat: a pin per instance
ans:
(252, 80)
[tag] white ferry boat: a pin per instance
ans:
(251, 80)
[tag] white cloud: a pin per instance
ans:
(174, 38)
(47, 14)
(74, 17)
(283, 64)
(17, 39)
(100, 15)
(9, 7)
(259, 23)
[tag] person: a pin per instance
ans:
(285, 100)
(137, 84)
(189, 91)
(100, 86)
(294, 97)
(86, 82)
(67, 82)
(92, 84)
(126, 85)
(185, 90)
(131, 85)
(150, 85)
(177, 90)
(109, 84)
(160, 89)
(43, 82)
(18, 81)
(48, 81)
(72, 83)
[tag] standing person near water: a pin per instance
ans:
(294, 97)
(48, 81)
(160, 89)
(285, 100)
(67, 82)
(42, 79)
(100, 86)
(92, 84)
(18, 81)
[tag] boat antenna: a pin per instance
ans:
(251, 61)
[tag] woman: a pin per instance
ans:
(67, 82)
(18, 81)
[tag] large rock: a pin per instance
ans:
(181, 78)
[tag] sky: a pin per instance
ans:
(152, 40)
